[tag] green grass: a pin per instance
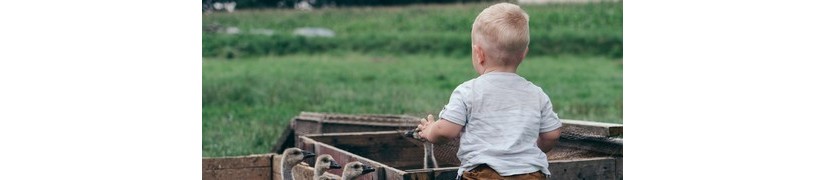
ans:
(247, 102)
(391, 60)
(577, 29)
(458, 18)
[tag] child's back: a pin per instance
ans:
(502, 115)
(508, 123)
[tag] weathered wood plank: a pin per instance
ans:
(256, 167)
(304, 127)
(590, 168)
(261, 173)
(237, 162)
(362, 138)
(605, 145)
(362, 119)
(276, 167)
(403, 151)
(591, 128)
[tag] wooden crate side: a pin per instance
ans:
(302, 127)
(237, 162)
(591, 168)
(561, 152)
(262, 173)
(404, 152)
(336, 128)
(306, 126)
(361, 119)
(276, 167)
(591, 128)
(589, 165)
(256, 167)
(319, 123)
(343, 157)
(393, 174)
(606, 145)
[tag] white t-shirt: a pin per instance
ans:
(502, 114)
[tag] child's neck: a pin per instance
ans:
(509, 69)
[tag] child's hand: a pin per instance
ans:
(423, 128)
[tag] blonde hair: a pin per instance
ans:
(503, 33)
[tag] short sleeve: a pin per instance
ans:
(549, 119)
(456, 109)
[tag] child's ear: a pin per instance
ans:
(479, 54)
(525, 52)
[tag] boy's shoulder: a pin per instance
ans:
(473, 84)
(466, 84)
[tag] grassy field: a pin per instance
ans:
(589, 29)
(390, 60)
(247, 102)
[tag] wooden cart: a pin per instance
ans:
(397, 157)
(587, 150)
(322, 123)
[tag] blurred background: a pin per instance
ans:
(265, 61)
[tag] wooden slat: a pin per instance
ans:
(238, 162)
(304, 127)
(605, 145)
(591, 128)
(256, 167)
(276, 167)
(261, 173)
(361, 119)
(591, 168)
